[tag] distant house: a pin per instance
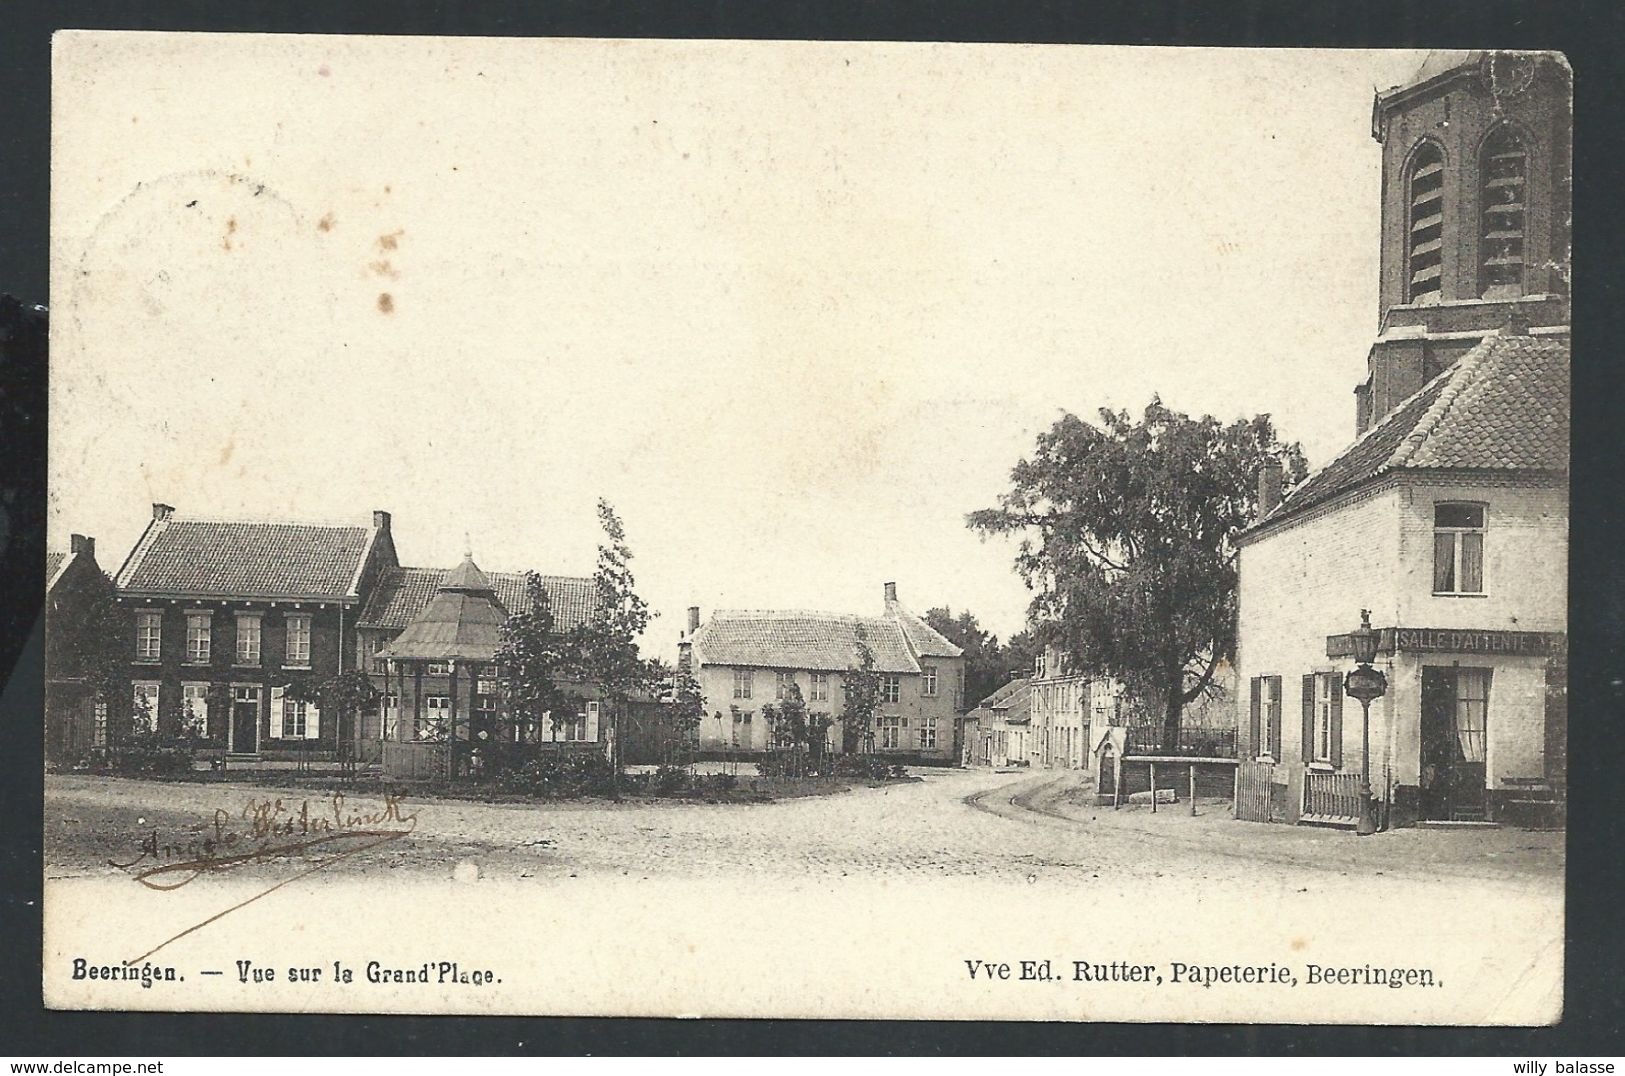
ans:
(224, 615)
(745, 660)
(999, 728)
(427, 679)
(75, 718)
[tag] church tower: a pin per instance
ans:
(1475, 213)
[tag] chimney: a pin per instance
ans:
(1269, 486)
(162, 511)
(1517, 323)
(891, 595)
(380, 520)
(693, 619)
(78, 543)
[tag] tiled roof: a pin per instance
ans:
(402, 593)
(926, 640)
(1504, 406)
(775, 639)
(1017, 688)
(463, 621)
(261, 560)
(53, 564)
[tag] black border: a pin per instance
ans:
(1588, 33)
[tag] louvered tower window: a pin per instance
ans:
(1424, 260)
(1503, 172)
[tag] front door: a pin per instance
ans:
(245, 720)
(1455, 738)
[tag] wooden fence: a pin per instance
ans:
(415, 761)
(1254, 781)
(1332, 798)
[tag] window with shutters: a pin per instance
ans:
(1458, 549)
(1503, 171)
(298, 655)
(574, 728)
(248, 639)
(1264, 722)
(891, 688)
(148, 632)
(293, 719)
(928, 681)
(1327, 719)
(197, 638)
(743, 683)
(1424, 240)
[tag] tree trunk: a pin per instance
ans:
(1170, 718)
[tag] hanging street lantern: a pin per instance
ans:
(1365, 683)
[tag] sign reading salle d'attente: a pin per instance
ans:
(1452, 641)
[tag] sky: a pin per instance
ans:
(794, 309)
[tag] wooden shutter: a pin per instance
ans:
(1336, 693)
(592, 722)
(276, 713)
(313, 721)
(1251, 747)
(1309, 718)
(1275, 717)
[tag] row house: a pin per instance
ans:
(747, 660)
(997, 731)
(413, 614)
(1062, 709)
(1447, 517)
(225, 615)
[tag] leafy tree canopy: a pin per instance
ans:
(989, 663)
(1127, 539)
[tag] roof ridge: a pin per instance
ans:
(494, 572)
(1461, 372)
(324, 524)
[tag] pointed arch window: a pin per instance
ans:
(1503, 185)
(1424, 250)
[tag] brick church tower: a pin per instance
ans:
(1475, 213)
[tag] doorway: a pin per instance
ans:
(1455, 742)
(245, 721)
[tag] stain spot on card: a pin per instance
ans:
(326, 223)
(386, 304)
(324, 71)
(391, 240)
(383, 268)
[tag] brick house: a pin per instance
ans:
(225, 615)
(417, 694)
(744, 660)
(1447, 517)
(75, 719)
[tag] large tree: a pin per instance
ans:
(860, 694)
(534, 659)
(1127, 538)
(606, 644)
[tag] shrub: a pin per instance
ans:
(669, 779)
(866, 767)
(559, 774)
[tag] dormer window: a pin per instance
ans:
(1503, 172)
(1424, 251)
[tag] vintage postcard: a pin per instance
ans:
(807, 529)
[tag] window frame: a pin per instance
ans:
(257, 658)
(782, 683)
(819, 689)
(928, 681)
(193, 617)
(144, 618)
(289, 658)
(1457, 535)
(891, 731)
(744, 683)
(891, 688)
(1325, 684)
(1503, 142)
(150, 721)
(926, 731)
(295, 718)
(1426, 152)
(199, 719)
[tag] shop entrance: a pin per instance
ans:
(1455, 738)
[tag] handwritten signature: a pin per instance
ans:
(266, 829)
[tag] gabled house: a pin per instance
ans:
(75, 717)
(747, 659)
(225, 614)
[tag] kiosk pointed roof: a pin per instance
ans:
(463, 622)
